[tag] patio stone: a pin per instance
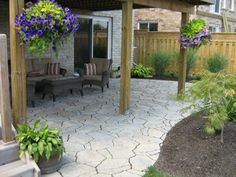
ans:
(112, 166)
(75, 169)
(90, 157)
(141, 163)
(99, 142)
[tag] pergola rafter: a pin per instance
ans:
(18, 67)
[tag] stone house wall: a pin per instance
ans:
(66, 52)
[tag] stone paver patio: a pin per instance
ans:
(100, 142)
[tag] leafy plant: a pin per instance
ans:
(40, 141)
(216, 63)
(45, 23)
(160, 61)
(194, 34)
(140, 71)
(153, 172)
(212, 95)
(191, 59)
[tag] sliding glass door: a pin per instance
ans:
(93, 40)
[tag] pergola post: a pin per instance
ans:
(126, 47)
(5, 108)
(182, 59)
(18, 71)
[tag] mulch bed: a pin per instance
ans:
(188, 152)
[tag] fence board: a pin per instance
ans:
(148, 42)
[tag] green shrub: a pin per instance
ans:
(213, 95)
(153, 172)
(216, 63)
(140, 71)
(191, 60)
(160, 60)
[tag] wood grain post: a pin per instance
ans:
(126, 47)
(5, 107)
(182, 60)
(18, 68)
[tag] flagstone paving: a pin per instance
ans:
(99, 142)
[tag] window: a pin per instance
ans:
(216, 7)
(231, 5)
(214, 29)
(150, 26)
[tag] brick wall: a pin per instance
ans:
(170, 20)
(167, 20)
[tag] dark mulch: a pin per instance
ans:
(188, 152)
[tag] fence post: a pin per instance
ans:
(6, 117)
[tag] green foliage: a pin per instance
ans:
(193, 27)
(191, 59)
(153, 172)
(39, 141)
(212, 95)
(141, 71)
(160, 61)
(216, 63)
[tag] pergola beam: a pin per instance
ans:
(177, 5)
(18, 68)
(126, 47)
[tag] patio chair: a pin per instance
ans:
(100, 74)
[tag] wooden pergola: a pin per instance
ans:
(18, 68)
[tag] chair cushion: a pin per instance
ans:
(102, 64)
(93, 77)
(53, 68)
(90, 69)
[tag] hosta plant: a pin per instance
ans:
(194, 34)
(45, 24)
(39, 140)
(141, 71)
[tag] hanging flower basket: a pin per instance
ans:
(45, 24)
(194, 34)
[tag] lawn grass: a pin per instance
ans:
(153, 172)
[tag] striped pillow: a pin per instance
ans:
(90, 69)
(53, 68)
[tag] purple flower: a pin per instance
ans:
(67, 9)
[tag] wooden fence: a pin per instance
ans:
(148, 42)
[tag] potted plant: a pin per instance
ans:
(194, 34)
(45, 24)
(45, 145)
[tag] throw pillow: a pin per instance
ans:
(53, 68)
(90, 69)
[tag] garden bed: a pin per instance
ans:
(188, 152)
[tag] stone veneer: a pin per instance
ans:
(66, 52)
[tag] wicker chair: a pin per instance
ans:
(103, 70)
